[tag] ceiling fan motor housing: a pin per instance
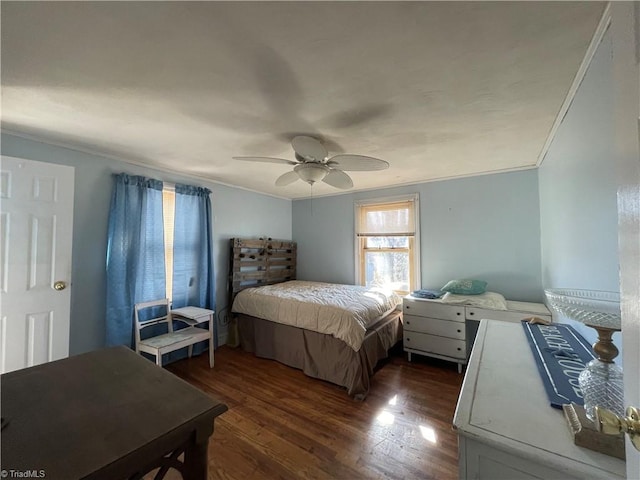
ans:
(311, 172)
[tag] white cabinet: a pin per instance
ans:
(434, 329)
(515, 312)
(506, 428)
(447, 331)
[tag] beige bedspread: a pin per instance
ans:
(343, 311)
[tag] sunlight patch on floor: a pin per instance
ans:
(428, 433)
(385, 418)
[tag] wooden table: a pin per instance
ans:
(108, 414)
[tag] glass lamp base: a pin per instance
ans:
(601, 385)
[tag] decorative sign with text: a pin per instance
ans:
(561, 354)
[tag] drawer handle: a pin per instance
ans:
(459, 331)
(459, 349)
(408, 322)
(408, 339)
(470, 313)
(458, 313)
(407, 307)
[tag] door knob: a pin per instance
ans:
(59, 285)
(611, 424)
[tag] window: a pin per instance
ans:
(159, 241)
(387, 243)
(168, 217)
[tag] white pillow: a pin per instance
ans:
(491, 300)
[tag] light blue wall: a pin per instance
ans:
(484, 227)
(236, 212)
(578, 183)
(578, 187)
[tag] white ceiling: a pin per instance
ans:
(438, 89)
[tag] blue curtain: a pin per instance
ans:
(135, 253)
(193, 277)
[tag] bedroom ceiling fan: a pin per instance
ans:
(313, 164)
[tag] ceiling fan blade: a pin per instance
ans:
(338, 179)
(309, 148)
(358, 115)
(287, 178)
(357, 163)
(265, 160)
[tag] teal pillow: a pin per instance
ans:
(465, 287)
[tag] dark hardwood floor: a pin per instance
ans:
(283, 424)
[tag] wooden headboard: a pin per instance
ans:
(260, 261)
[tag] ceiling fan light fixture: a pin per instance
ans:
(311, 172)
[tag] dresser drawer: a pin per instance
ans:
(448, 347)
(478, 314)
(433, 310)
(434, 326)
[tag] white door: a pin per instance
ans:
(626, 54)
(36, 223)
(629, 218)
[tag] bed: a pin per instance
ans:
(336, 333)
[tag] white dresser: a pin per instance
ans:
(447, 331)
(506, 428)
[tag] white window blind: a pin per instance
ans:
(389, 219)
